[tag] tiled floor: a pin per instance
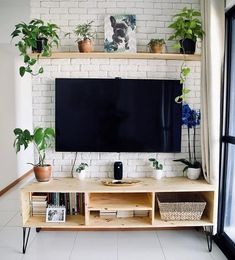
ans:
(112, 245)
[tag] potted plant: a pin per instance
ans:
(81, 170)
(37, 36)
(191, 119)
(42, 138)
(158, 167)
(188, 28)
(156, 45)
(84, 35)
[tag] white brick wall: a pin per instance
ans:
(153, 17)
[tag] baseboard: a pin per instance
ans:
(12, 184)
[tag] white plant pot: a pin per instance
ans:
(193, 173)
(158, 174)
(80, 175)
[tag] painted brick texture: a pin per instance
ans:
(153, 17)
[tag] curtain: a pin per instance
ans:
(213, 17)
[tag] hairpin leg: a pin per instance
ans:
(209, 236)
(25, 238)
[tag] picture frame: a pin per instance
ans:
(55, 214)
(120, 33)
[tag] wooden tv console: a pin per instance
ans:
(98, 197)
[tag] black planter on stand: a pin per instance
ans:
(188, 46)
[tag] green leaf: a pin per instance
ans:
(38, 136)
(152, 159)
(22, 71)
(40, 70)
(17, 131)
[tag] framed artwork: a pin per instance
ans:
(55, 214)
(120, 33)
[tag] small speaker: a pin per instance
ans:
(118, 170)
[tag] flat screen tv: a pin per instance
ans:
(117, 115)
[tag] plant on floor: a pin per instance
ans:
(191, 119)
(38, 36)
(42, 139)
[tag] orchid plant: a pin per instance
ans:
(191, 119)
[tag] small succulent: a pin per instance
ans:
(156, 165)
(81, 167)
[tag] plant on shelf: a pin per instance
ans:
(158, 167)
(81, 170)
(37, 36)
(188, 28)
(84, 35)
(191, 119)
(42, 139)
(156, 45)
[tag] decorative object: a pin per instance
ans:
(156, 45)
(158, 174)
(120, 33)
(118, 170)
(81, 171)
(188, 28)
(40, 37)
(42, 138)
(85, 36)
(118, 183)
(180, 206)
(55, 214)
(191, 119)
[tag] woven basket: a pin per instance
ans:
(180, 206)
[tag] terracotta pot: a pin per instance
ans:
(42, 173)
(156, 48)
(85, 46)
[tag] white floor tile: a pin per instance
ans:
(181, 238)
(186, 253)
(9, 253)
(217, 254)
(15, 221)
(139, 245)
(95, 245)
(9, 205)
(6, 216)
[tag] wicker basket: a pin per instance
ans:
(180, 206)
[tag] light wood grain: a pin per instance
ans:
(72, 221)
(161, 223)
(120, 201)
(104, 55)
(177, 184)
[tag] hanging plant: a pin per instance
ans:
(37, 36)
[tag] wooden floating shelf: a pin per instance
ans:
(106, 55)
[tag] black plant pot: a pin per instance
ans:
(188, 46)
(39, 45)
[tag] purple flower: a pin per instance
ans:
(190, 117)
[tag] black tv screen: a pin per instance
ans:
(118, 115)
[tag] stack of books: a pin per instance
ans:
(39, 204)
(125, 213)
(108, 213)
(141, 213)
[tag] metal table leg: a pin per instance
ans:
(25, 238)
(209, 236)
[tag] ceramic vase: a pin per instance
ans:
(193, 173)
